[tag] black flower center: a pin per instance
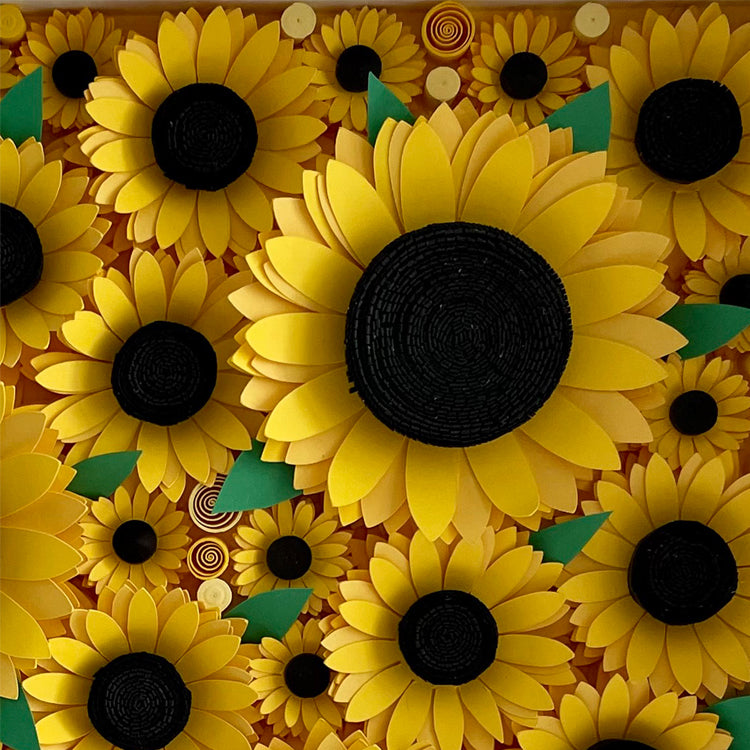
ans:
(139, 702)
(72, 73)
(457, 334)
(448, 637)
(682, 573)
(354, 66)
(21, 256)
(693, 413)
(307, 676)
(523, 76)
(204, 136)
(620, 744)
(736, 291)
(688, 129)
(134, 541)
(289, 557)
(164, 373)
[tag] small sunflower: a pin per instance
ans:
(146, 369)
(8, 72)
(358, 43)
(663, 586)
(521, 66)
(290, 547)
(72, 49)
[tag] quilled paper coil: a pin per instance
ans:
(447, 30)
(208, 558)
(215, 593)
(200, 508)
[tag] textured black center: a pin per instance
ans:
(523, 76)
(289, 557)
(204, 136)
(354, 66)
(164, 373)
(457, 334)
(21, 256)
(72, 73)
(682, 573)
(619, 744)
(688, 129)
(448, 637)
(693, 413)
(139, 702)
(134, 541)
(736, 291)
(307, 676)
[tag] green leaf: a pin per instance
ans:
(21, 109)
(101, 475)
(561, 543)
(382, 103)
(253, 483)
(270, 614)
(590, 116)
(706, 327)
(734, 716)
(17, 728)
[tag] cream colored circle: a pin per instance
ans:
(215, 593)
(298, 21)
(443, 83)
(590, 22)
(12, 24)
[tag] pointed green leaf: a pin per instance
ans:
(590, 116)
(382, 103)
(734, 716)
(270, 614)
(100, 476)
(706, 327)
(561, 543)
(17, 728)
(21, 109)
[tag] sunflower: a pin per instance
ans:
(358, 43)
(663, 586)
(49, 238)
(146, 369)
(72, 49)
(8, 74)
(521, 66)
(149, 670)
(290, 547)
(202, 127)
(380, 348)
(678, 96)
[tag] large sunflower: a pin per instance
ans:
(456, 320)
(202, 127)
(663, 586)
(146, 370)
(678, 96)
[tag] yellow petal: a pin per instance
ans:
(76, 376)
(221, 695)
(213, 220)
(175, 55)
(144, 79)
(409, 716)
(392, 585)
(175, 214)
(614, 708)
(178, 632)
(517, 687)
(64, 726)
(149, 289)
(645, 648)
(215, 732)
(207, 657)
(146, 186)
(27, 555)
(122, 116)
(370, 618)
(684, 652)
(63, 227)
(190, 448)
(665, 53)
(24, 479)
(617, 620)
(380, 692)
(117, 310)
(689, 224)
(527, 612)
(59, 688)
(20, 634)
(106, 635)
(532, 651)
(143, 622)
(448, 718)
(76, 657)
(214, 47)
(364, 656)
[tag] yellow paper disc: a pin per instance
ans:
(443, 83)
(12, 24)
(447, 30)
(590, 22)
(208, 558)
(215, 593)
(298, 21)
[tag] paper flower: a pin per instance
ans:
(145, 670)
(521, 66)
(661, 584)
(438, 641)
(72, 49)
(202, 127)
(49, 239)
(8, 73)
(678, 118)
(146, 370)
(450, 338)
(290, 547)
(358, 43)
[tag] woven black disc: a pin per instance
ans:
(21, 256)
(448, 637)
(139, 702)
(736, 291)
(523, 76)
(682, 573)
(688, 129)
(619, 744)
(134, 541)
(164, 373)
(354, 66)
(72, 73)
(289, 557)
(693, 413)
(457, 334)
(204, 136)
(307, 676)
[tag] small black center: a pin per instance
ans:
(693, 413)
(523, 76)
(682, 573)
(457, 334)
(164, 373)
(307, 676)
(736, 291)
(620, 744)
(72, 73)
(204, 136)
(139, 702)
(688, 129)
(134, 541)
(289, 557)
(21, 256)
(354, 66)
(448, 637)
